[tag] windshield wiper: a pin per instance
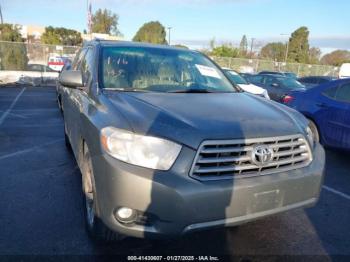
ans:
(125, 89)
(191, 91)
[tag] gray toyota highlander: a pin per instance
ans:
(167, 146)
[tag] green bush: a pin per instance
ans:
(13, 56)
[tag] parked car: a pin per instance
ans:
(344, 71)
(237, 79)
(277, 86)
(246, 75)
(57, 62)
(39, 68)
(290, 74)
(327, 106)
(167, 145)
(271, 73)
(287, 74)
(311, 81)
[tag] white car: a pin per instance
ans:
(344, 71)
(237, 79)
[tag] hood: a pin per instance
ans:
(252, 89)
(191, 118)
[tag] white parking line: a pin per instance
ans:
(29, 149)
(337, 192)
(5, 114)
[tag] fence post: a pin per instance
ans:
(256, 65)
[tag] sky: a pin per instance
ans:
(195, 22)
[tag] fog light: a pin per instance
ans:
(126, 215)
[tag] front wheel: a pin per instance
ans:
(95, 227)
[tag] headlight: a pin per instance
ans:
(145, 151)
(310, 136)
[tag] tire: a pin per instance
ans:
(94, 225)
(314, 130)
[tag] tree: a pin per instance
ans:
(61, 36)
(181, 46)
(243, 46)
(13, 56)
(151, 32)
(299, 46)
(274, 51)
(105, 22)
(314, 55)
(336, 58)
(226, 50)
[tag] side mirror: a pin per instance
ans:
(71, 78)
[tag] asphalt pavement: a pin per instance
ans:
(41, 208)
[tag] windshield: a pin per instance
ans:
(236, 78)
(160, 70)
(290, 83)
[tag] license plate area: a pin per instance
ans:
(266, 200)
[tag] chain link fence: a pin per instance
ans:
(39, 64)
(257, 65)
(34, 64)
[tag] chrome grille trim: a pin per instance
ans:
(227, 159)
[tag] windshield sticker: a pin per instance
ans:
(208, 71)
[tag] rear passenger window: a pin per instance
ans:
(343, 93)
(330, 92)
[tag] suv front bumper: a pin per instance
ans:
(172, 203)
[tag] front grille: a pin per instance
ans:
(225, 159)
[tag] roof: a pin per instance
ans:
(132, 44)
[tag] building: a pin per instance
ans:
(32, 33)
(88, 37)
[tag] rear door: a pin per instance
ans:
(333, 115)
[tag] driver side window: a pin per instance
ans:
(78, 58)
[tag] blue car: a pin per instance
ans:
(327, 106)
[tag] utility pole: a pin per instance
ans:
(1, 18)
(251, 47)
(287, 48)
(169, 28)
